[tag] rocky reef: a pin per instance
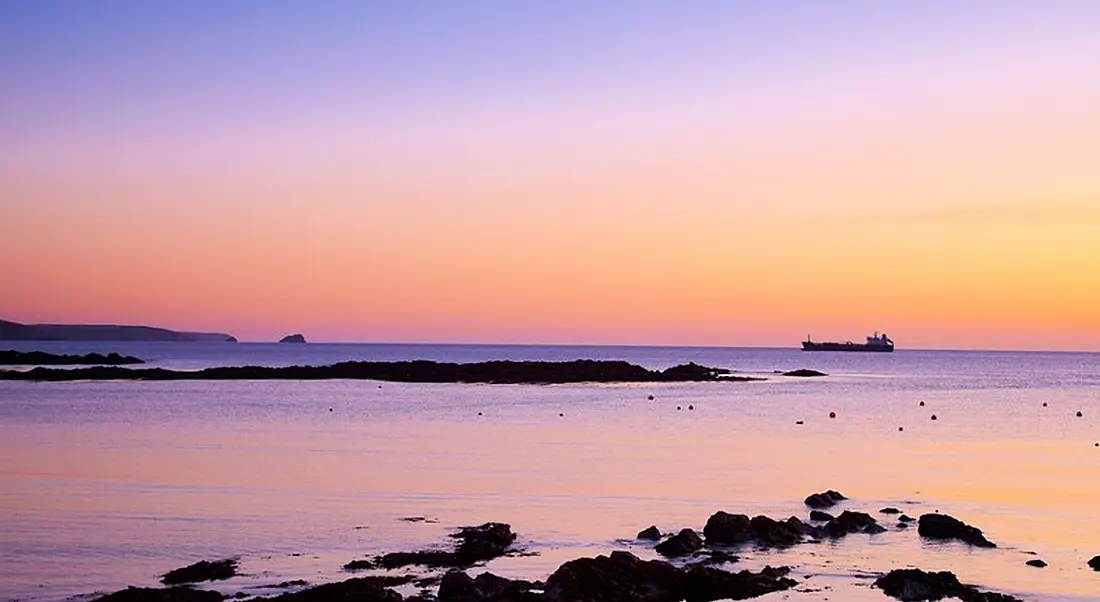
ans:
(420, 371)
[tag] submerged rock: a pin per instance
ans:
(170, 594)
(683, 543)
(202, 571)
(942, 526)
(914, 584)
(804, 373)
(1036, 563)
(826, 499)
(360, 589)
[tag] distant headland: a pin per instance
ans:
(14, 331)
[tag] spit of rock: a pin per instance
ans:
(914, 584)
(202, 571)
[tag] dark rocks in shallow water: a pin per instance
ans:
(202, 571)
(820, 515)
(825, 499)
(804, 373)
(483, 542)
(457, 586)
(851, 522)
(903, 525)
(942, 526)
(703, 584)
(683, 543)
(1036, 563)
(910, 585)
(905, 518)
(170, 594)
(360, 589)
(875, 529)
(622, 577)
(890, 510)
(1095, 563)
(727, 529)
(359, 565)
(475, 544)
(650, 534)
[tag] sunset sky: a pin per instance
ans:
(696, 173)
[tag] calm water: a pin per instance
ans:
(109, 484)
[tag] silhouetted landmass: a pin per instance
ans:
(41, 358)
(293, 338)
(203, 570)
(13, 331)
(420, 371)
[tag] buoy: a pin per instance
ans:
(679, 408)
(832, 414)
(651, 398)
(798, 422)
(922, 404)
(479, 413)
(1079, 414)
(933, 416)
(1044, 404)
(330, 409)
(900, 429)
(562, 415)
(691, 407)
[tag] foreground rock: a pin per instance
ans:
(1094, 564)
(914, 584)
(826, 499)
(457, 586)
(361, 589)
(41, 358)
(475, 544)
(171, 594)
(202, 571)
(942, 526)
(420, 371)
(622, 577)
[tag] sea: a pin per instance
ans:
(109, 484)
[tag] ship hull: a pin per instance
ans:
(811, 346)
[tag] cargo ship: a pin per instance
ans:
(874, 343)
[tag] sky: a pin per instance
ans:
(679, 173)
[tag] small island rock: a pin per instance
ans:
(293, 338)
